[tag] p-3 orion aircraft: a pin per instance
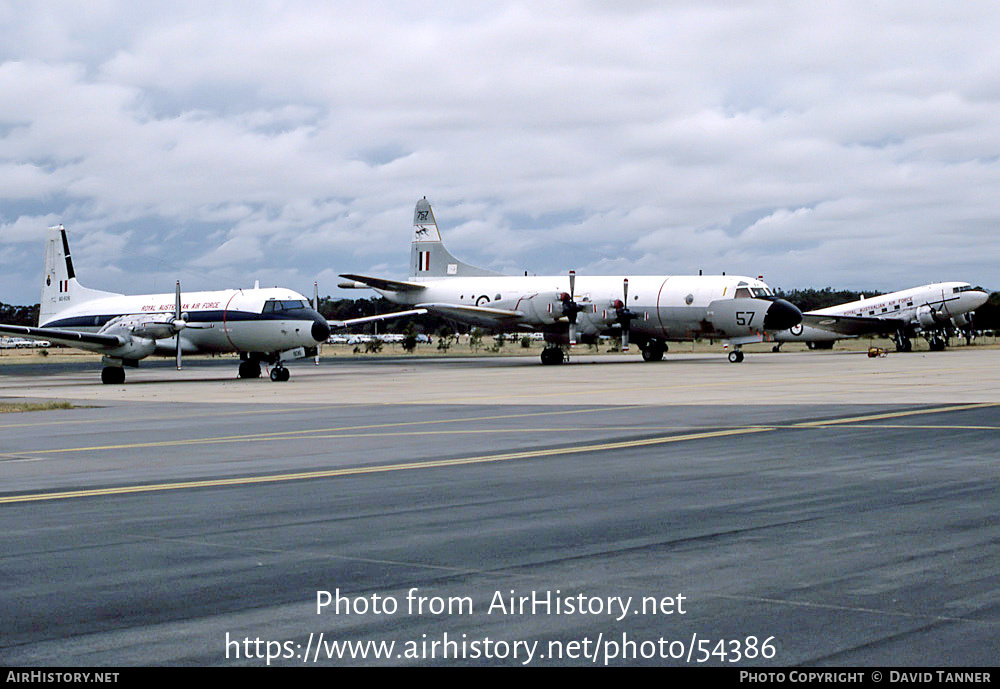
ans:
(269, 325)
(652, 309)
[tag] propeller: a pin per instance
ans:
(625, 316)
(179, 322)
(570, 308)
(316, 309)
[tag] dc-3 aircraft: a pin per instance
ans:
(929, 311)
(654, 309)
(269, 325)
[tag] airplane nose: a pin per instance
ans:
(320, 328)
(781, 315)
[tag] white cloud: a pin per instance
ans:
(822, 144)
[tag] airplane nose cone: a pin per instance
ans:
(781, 315)
(320, 329)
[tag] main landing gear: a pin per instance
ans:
(736, 356)
(653, 350)
(250, 368)
(113, 375)
(935, 340)
(552, 356)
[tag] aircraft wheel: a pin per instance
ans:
(936, 344)
(552, 355)
(904, 345)
(735, 356)
(249, 369)
(112, 375)
(279, 374)
(653, 352)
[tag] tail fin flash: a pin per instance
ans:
(60, 289)
(428, 257)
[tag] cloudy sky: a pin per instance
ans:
(846, 144)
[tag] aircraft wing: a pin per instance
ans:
(852, 325)
(381, 283)
(478, 315)
(92, 342)
(377, 317)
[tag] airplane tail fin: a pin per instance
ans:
(428, 256)
(60, 288)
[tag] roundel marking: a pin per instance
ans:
(796, 329)
(481, 300)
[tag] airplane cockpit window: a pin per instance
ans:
(272, 305)
(966, 288)
(762, 292)
(742, 293)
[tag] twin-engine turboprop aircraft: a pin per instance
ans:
(929, 311)
(269, 325)
(654, 309)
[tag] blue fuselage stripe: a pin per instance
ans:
(216, 316)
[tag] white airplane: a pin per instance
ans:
(929, 310)
(655, 309)
(269, 325)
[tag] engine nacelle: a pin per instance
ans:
(962, 320)
(134, 348)
(153, 326)
(133, 329)
(544, 308)
(929, 317)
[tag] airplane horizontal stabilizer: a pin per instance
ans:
(377, 317)
(383, 284)
(72, 338)
(852, 325)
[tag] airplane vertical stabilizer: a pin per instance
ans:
(428, 256)
(60, 288)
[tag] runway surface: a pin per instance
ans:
(791, 510)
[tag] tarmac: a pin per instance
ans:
(797, 509)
